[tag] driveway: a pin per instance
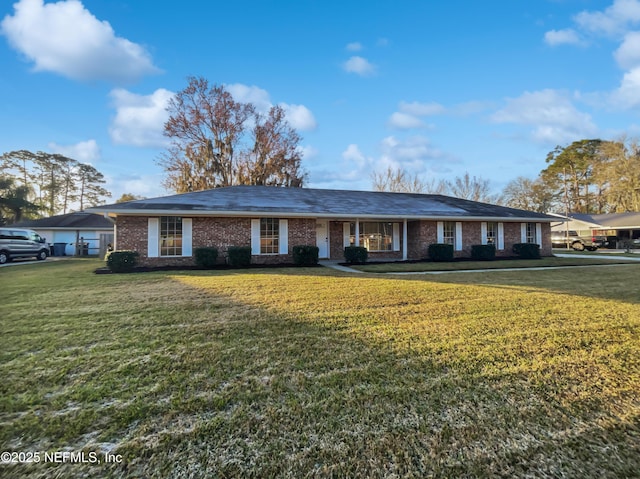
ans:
(19, 261)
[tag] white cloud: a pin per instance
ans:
(353, 153)
(422, 109)
(140, 119)
(628, 54)
(405, 121)
(554, 119)
(562, 37)
(84, 152)
(300, 117)
(614, 20)
(65, 38)
(354, 47)
(359, 66)
(628, 94)
(250, 94)
(410, 153)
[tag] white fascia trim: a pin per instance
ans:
(284, 214)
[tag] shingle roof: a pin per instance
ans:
(76, 220)
(611, 220)
(267, 200)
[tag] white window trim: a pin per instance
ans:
(153, 238)
(483, 233)
(283, 237)
(500, 244)
(458, 238)
(539, 234)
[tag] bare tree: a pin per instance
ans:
(211, 142)
(275, 159)
(399, 181)
(526, 194)
(471, 188)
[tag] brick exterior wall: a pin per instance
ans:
(132, 234)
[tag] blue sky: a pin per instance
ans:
(438, 88)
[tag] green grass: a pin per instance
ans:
(315, 373)
(401, 267)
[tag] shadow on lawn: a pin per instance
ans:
(250, 374)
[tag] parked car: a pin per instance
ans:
(577, 242)
(21, 243)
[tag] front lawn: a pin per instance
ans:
(414, 267)
(315, 373)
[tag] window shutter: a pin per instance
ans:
(283, 240)
(440, 232)
(539, 234)
(187, 238)
(255, 236)
(483, 232)
(458, 246)
(523, 232)
(346, 232)
(153, 241)
(396, 236)
(500, 236)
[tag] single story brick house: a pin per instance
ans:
(272, 220)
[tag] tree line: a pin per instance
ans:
(587, 176)
(45, 184)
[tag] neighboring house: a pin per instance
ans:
(78, 233)
(271, 220)
(622, 226)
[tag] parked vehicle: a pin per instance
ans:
(21, 243)
(577, 242)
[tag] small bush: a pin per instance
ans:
(122, 261)
(206, 257)
(355, 254)
(483, 252)
(527, 250)
(305, 255)
(441, 252)
(239, 256)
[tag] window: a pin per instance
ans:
(492, 233)
(269, 235)
(449, 232)
(375, 236)
(170, 236)
(531, 233)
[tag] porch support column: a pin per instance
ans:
(404, 240)
(357, 232)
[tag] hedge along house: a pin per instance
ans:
(272, 220)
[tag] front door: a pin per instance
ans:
(322, 238)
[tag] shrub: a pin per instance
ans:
(239, 256)
(483, 252)
(441, 252)
(527, 250)
(305, 255)
(122, 261)
(355, 254)
(206, 257)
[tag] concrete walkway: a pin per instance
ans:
(596, 256)
(335, 265)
